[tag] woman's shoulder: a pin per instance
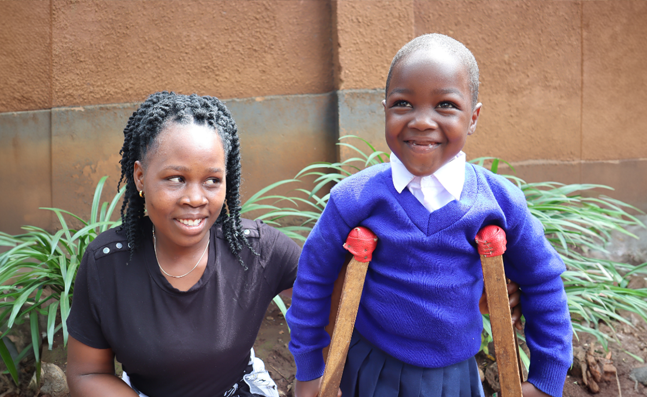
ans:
(109, 242)
(268, 236)
(269, 242)
(250, 228)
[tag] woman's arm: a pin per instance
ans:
(91, 372)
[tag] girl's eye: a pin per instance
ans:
(401, 104)
(176, 179)
(447, 105)
(212, 181)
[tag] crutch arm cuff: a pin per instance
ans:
(491, 241)
(361, 242)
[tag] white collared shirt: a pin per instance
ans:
(433, 191)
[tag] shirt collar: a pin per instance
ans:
(451, 175)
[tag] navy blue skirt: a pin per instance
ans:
(371, 372)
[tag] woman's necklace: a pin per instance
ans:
(187, 273)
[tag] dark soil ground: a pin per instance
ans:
(272, 346)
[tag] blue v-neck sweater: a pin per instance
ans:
(420, 298)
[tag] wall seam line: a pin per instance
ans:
(51, 104)
(51, 54)
(581, 88)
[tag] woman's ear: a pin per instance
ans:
(475, 118)
(138, 175)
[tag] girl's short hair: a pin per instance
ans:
(453, 46)
(140, 138)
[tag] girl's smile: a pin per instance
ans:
(421, 145)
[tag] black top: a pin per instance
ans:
(174, 343)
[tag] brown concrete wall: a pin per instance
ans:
(118, 51)
(85, 147)
(25, 55)
(25, 164)
(563, 84)
(529, 55)
(544, 64)
(367, 35)
(614, 78)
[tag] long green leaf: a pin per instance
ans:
(113, 205)
(51, 323)
(96, 200)
(17, 305)
(65, 312)
(35, 341)
(279, 302)
(90, 228)
(59, 211)
(266, 189)
(8, 361)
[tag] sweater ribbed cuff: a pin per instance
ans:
(548, 377)
(309, 365)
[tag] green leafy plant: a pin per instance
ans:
(574, 222)
(38, 271)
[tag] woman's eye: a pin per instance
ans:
(401, 104)
(213, 181)
(176, 179)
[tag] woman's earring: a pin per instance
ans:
(141, 193)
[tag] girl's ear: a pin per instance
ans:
(475, 118)
(138, 175)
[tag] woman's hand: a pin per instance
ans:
(309, 388)
(529, 390)
(514, 297)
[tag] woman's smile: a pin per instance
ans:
(193, 223)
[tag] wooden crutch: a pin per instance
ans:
(491, 244)
(361, 242)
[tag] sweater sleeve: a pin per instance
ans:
(533, 263)
(321, 260)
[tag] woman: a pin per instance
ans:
(178, 292)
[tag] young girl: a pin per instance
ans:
(418, 326)
(178, 293)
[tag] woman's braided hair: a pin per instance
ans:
(140, 136)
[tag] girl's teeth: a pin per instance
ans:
(190, 222)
